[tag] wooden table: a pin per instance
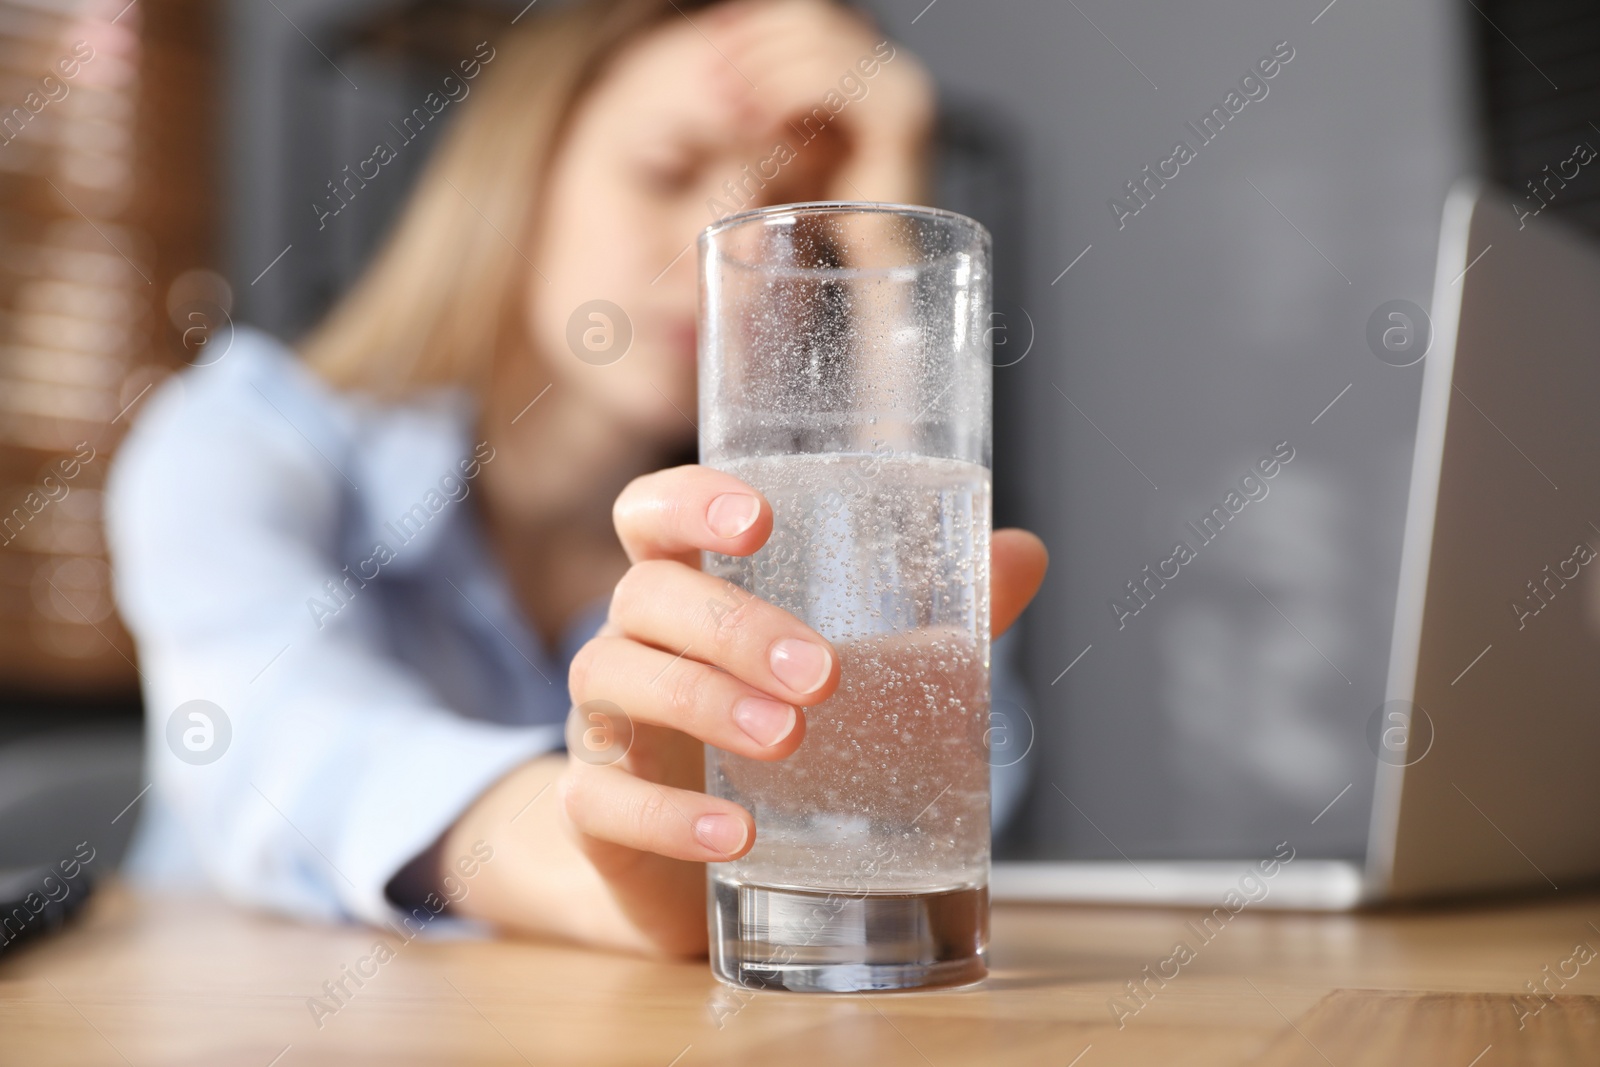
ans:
(195, 981)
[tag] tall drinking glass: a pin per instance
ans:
(845, 373)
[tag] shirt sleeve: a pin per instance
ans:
(328, 764)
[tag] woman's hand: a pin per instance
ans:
(825, 81)
(615, 854)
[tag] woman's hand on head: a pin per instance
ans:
(687, 659)
(856, 108)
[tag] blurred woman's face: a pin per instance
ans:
(653, 141)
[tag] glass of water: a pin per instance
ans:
(845, 373)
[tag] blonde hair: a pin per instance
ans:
(435, 304)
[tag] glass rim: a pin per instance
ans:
(832, 207)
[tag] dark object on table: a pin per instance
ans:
(37, 900)
(70, 782)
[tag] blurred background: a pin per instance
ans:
(1149, 353)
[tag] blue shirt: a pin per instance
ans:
(307, 562)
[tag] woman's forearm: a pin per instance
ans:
(891, 171)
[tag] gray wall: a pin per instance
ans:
(302, 105)
(1210, 327)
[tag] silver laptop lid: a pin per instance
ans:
(1488, 776)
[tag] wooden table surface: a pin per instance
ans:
(194, 981)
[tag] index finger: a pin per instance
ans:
(675, 513)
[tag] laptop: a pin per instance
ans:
(1488, 777)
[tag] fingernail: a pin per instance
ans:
(801, 665)
(765, 721)
(721, 833)
(731, 514)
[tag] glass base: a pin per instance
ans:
(767, 937)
